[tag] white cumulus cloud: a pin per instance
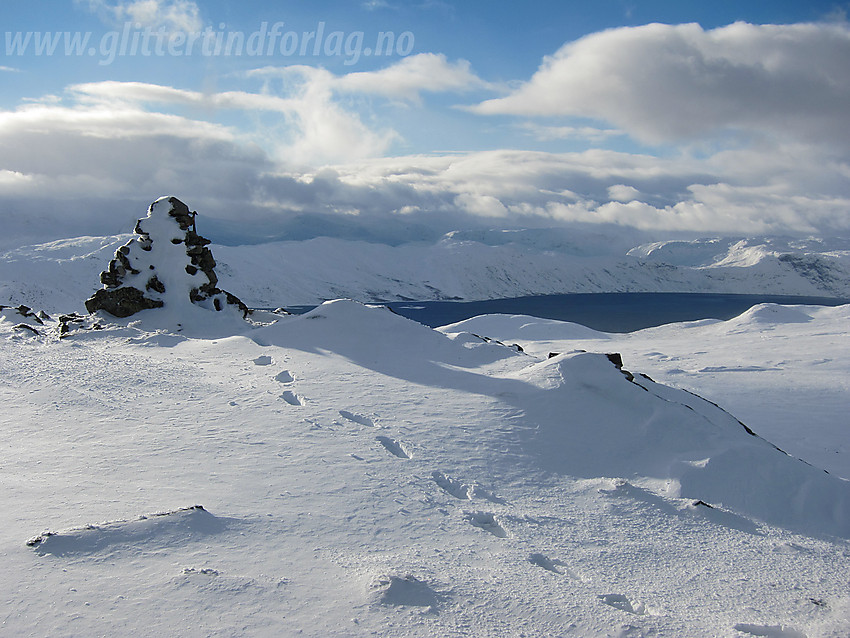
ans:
(313, 128)
(668, 83)
(623, 193)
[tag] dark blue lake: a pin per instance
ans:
(609, 312)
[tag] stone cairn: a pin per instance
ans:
(167, 263)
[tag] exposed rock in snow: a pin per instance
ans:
(167, 262)
(24, 318)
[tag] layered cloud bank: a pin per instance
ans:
(664, 83)
(746, 126)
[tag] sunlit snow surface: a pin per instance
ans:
(782, 370)
(361, 474)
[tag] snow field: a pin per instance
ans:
(782, 370)
(421, 485)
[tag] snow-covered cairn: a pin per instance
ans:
(167, 264)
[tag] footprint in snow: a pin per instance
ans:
(452, 486)
(204, 571)
(486, 521)
(394, 447)
(769, 631)
(291, 398)
(463, 491)
(357, 418)
(207, 583)
(555, 566)
(284, 377)
(623, 603)
(545, 562)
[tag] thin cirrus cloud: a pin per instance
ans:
(113, 93)
(169, 15)
(668, 83)
(544, 133)
(404, 81)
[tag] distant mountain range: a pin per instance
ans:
(467, 265)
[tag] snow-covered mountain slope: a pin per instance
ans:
(56, 276)
(460, 266)
(783, 370)
(361, 474)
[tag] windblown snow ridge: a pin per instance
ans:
(161, 528)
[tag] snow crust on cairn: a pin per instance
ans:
(168, 265)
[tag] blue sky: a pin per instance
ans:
(669, 117)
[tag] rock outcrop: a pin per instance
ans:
(24, 318)
(167, 264)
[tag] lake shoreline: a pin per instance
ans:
(604, 311)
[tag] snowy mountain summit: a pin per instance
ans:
(167, 263)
